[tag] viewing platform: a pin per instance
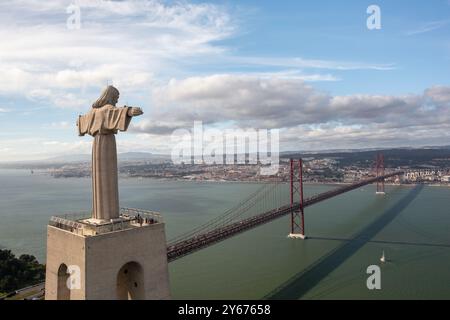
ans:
(111, 257)
(82, 223)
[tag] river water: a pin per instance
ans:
(346, 235)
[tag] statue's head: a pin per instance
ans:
(109, 96)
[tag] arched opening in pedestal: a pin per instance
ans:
(63, 291)
(130, 282)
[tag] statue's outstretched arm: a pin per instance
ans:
(133, 112)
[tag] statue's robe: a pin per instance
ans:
(103, 123)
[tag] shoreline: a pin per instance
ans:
(283, 182)
(40, 172)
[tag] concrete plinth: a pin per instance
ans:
(128, 263)
(297, 236)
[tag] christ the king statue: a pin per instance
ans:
(102, 122)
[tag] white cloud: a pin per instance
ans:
(132, 44)
(123, 42)
(439, 94)
(270, 102)
(305, 114)
(40, 148)
(246, 98)
(59, 125)
(298, 62)
(308, 118)
(429, 26)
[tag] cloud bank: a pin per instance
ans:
(310, 118)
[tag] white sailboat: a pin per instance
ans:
(383, 258)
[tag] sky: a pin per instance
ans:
(312, 69)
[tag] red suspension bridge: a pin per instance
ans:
(265, 205)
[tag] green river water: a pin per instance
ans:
(346, 235)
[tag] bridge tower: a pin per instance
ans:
(380, 172)
(296, 192)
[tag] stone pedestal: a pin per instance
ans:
(117, 260)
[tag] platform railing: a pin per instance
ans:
(131, 217)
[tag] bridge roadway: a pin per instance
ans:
(197, 242)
